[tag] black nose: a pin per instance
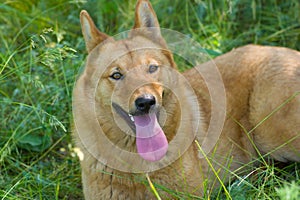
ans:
(144, 103)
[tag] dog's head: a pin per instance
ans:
(133, 78)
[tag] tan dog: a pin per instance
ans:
(134, 114)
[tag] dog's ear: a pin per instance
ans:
(146, 20)
(92, 36)
(146, 24)
(145, 16)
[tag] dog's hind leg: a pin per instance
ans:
(275, 112)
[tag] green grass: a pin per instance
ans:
(42, 50)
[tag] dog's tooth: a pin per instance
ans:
(131, 117)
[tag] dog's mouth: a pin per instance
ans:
(126, 116)
(151, 142)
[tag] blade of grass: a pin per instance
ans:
(152, 187)
(213, 169)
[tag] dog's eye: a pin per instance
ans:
(116, 76)
(152, 68)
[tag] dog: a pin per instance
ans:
(136, 116)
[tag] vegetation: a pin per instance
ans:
(42, 51)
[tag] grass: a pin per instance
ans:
(42, 50)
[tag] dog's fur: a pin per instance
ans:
(262, 85)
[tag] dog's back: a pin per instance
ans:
(262, 95)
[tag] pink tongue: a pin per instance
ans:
(152, 144)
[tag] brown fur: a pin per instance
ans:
(258, 81)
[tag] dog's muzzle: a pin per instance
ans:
(151, 142)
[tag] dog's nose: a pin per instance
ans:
(145, 102)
